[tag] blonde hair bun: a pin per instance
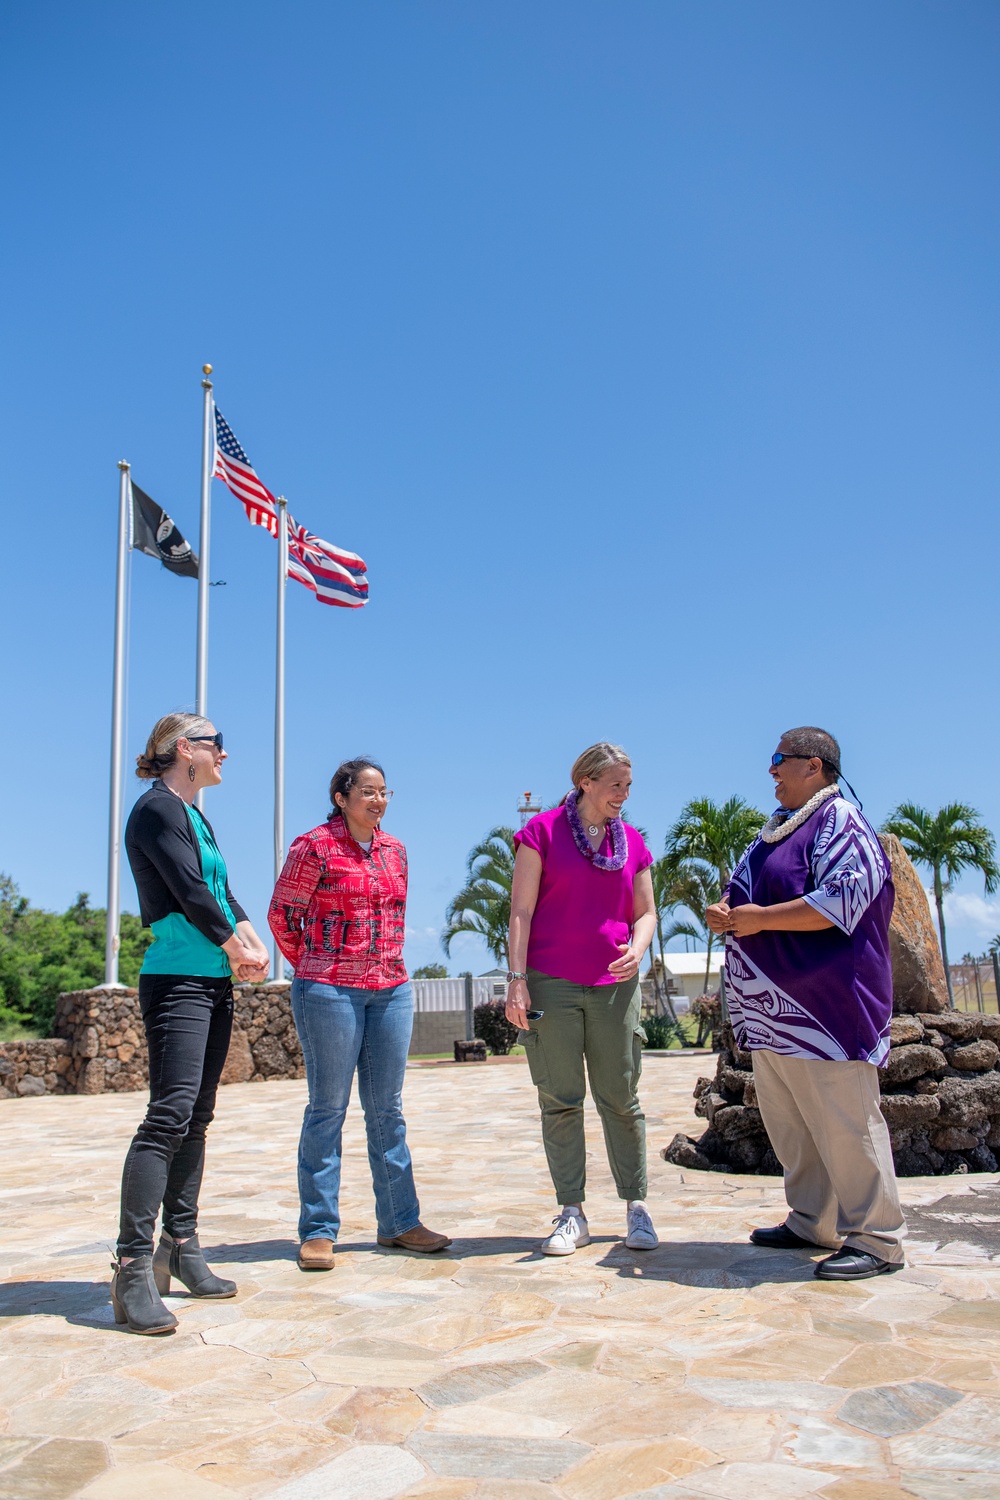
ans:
(161, 747)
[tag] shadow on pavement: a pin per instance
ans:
(711, 1264)
(84, 1302)
(252, 1250)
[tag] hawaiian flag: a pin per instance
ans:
(235, 470)
(335, 575)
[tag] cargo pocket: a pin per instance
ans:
(638, 1042)
(535, 1053)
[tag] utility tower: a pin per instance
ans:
(528, 808)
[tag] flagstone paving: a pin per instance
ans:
(706, 1368)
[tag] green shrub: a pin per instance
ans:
(490, 1023)
(662, 1032)
(43, 953)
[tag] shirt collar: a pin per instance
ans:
(338, 826)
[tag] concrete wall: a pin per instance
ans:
(436, 1030)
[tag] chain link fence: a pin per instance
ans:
(975, 985)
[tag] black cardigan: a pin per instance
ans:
(163, 851)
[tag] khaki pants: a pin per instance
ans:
(601, 1023)
(828, 1132)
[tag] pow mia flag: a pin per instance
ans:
(154, 533)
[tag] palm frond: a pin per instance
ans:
(482, 907)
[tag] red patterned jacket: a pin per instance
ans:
(337, 913)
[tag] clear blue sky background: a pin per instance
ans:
(647, 352)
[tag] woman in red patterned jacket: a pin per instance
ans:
(338, 913)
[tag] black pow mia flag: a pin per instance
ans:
(154, 533)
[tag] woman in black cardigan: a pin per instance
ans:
(201, 939)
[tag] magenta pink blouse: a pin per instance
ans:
(582, 913)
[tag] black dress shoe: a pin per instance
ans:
(854, 1265)
(781, 1238)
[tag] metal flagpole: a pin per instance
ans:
(204, 584)
(117, 797)
(279, 712)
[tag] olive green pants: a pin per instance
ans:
(599, 1023)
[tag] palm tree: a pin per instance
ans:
(716, 834)
(662, 875)
(694, 886)
(482, 906)
(948, 842)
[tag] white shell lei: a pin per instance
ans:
(779, 825)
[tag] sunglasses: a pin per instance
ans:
(209, 739)
(779, 756)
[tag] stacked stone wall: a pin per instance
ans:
(940, 1098)
(35, 1067)
(99, 1045)
(265, 1043)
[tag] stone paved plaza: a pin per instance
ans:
(704, 1369)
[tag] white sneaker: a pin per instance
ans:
(641, 1235)
(570, 1231)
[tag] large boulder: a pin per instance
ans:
(918, 981)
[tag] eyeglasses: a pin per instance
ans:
(371, 793)
(209, 739)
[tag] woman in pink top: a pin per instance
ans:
(582, 916)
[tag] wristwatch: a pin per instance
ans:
(512, 975)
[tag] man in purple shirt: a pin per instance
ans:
(809, 986)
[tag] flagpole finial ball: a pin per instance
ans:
(206, 369)
(123, 463)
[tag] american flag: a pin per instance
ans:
(335, 575)
(235, 470)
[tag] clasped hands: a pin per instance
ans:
(248, 960)
(741, 921)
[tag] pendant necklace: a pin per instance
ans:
(616, 828)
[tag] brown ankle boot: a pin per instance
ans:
(316, 1255)
(417, 1238)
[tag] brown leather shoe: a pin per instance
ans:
(316, 1255)
(417, 1238)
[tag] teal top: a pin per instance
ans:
(178, 947)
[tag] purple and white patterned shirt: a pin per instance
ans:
(825, 994)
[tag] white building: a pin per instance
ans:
(687, 970)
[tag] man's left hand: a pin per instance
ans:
(744, 921)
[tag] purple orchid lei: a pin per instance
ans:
(619, 843)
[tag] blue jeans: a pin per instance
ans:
(343, 1029)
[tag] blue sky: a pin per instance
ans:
(648, 354)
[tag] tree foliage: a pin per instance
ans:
(693, 886)
(948, 841)
(430, 971)
(482, 906)
(45, 953)
(716, 833)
